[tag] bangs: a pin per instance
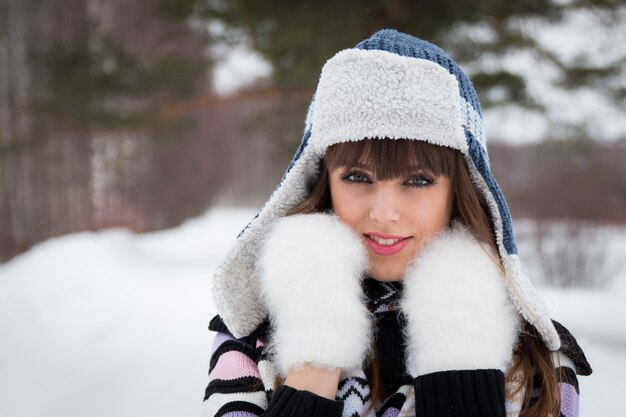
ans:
(392, 158)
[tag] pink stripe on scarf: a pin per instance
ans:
(233, 365)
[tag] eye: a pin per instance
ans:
(420, 180)
(354, 177)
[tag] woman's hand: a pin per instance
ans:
(311, 268)
(459, 315)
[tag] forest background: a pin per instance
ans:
(114, 113)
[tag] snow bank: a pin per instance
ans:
(112, 323)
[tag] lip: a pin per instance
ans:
(380, 235)
(386, 250)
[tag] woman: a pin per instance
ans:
(382, 278)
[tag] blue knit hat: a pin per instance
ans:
(391, 85)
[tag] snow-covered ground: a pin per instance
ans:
(114, 324)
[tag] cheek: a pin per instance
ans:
(345, 207)
(431, 215)
(443, 212)
(439, 205)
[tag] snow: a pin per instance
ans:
(237, 64)
(113, 323)
(591, 38)
(241, 67)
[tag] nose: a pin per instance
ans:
(384, 205)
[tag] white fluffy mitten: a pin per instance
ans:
(459, 315)
(311, 268)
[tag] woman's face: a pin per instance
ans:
(394, 217)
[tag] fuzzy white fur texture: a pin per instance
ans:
(459, 315)
(378, 94)
(235, 287)
(311, 267)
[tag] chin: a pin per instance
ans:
(386, 276)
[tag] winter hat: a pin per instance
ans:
(391, 85)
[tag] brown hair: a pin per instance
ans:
(399, 157)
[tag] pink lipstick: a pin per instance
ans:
(385, 248)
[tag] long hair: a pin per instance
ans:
(394, 158)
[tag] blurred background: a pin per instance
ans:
(137, 139)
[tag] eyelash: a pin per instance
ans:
(421, 177)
